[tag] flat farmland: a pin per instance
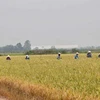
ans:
(79, 78)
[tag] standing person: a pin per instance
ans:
(8, 58)
(89, 54)
(76, 55)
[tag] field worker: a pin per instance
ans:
(27, 57)
(99, 55)
(59, 56)
(76, 55)
(8, 58)
(89, 54)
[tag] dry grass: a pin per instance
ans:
(24, 91)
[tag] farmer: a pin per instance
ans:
(76, 55)
(27, 57)
(59, 54)
(8, 58)
(99, 55)
(89, 54)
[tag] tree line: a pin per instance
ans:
(63, 51)
(18, 48)
(26, 49)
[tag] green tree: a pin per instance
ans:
(27, 45)
(74, 50)
(19, 47)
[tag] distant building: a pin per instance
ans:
(55, 46)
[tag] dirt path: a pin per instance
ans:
(2, 98)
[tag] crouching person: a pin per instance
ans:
(27, 57)
(8, 58)
(89, 54)
(76, 55)
(99, 55)
(59, 56)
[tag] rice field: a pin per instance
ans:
(78, 77)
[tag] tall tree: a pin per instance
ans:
(27, 45)
(19, 47)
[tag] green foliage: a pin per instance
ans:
(27, 45)
(47, 51)
(74, 50)
(18, 48)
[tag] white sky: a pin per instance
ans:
(50, 22)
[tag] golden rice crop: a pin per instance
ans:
(78, 77)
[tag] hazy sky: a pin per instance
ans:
(50, 22)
